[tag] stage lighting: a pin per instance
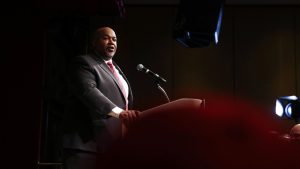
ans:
(288, 107)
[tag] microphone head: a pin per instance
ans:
(140, 67)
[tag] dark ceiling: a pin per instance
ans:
(238, 2)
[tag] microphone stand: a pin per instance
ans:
(162, 90)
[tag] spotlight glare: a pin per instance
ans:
(288, 110)
(288, 107)
(291, 97)
(279, 109)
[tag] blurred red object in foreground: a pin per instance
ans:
(227, 134)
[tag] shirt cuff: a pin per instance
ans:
(115, 112)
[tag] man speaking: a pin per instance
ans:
(100, 102)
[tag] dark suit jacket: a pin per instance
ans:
(94, 92)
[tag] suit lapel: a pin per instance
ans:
(105, 67)
(108, 71)
(123, 75)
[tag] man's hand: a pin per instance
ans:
(129, 117)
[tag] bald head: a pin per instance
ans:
(105, 42)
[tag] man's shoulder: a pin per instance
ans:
(89, 59)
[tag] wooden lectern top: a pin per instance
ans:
(184, 104)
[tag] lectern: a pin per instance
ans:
(182, 105)
(172, 109)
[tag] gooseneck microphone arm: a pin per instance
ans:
(158, 79)
(163, 91)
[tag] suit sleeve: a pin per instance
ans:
(82, 82)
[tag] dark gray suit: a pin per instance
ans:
(94, 93)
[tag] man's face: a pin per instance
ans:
(106, 44)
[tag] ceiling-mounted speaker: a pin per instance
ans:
(198, 22)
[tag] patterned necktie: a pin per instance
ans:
(112, 68)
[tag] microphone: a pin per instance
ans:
(142, 68)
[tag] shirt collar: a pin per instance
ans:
(106, 61)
